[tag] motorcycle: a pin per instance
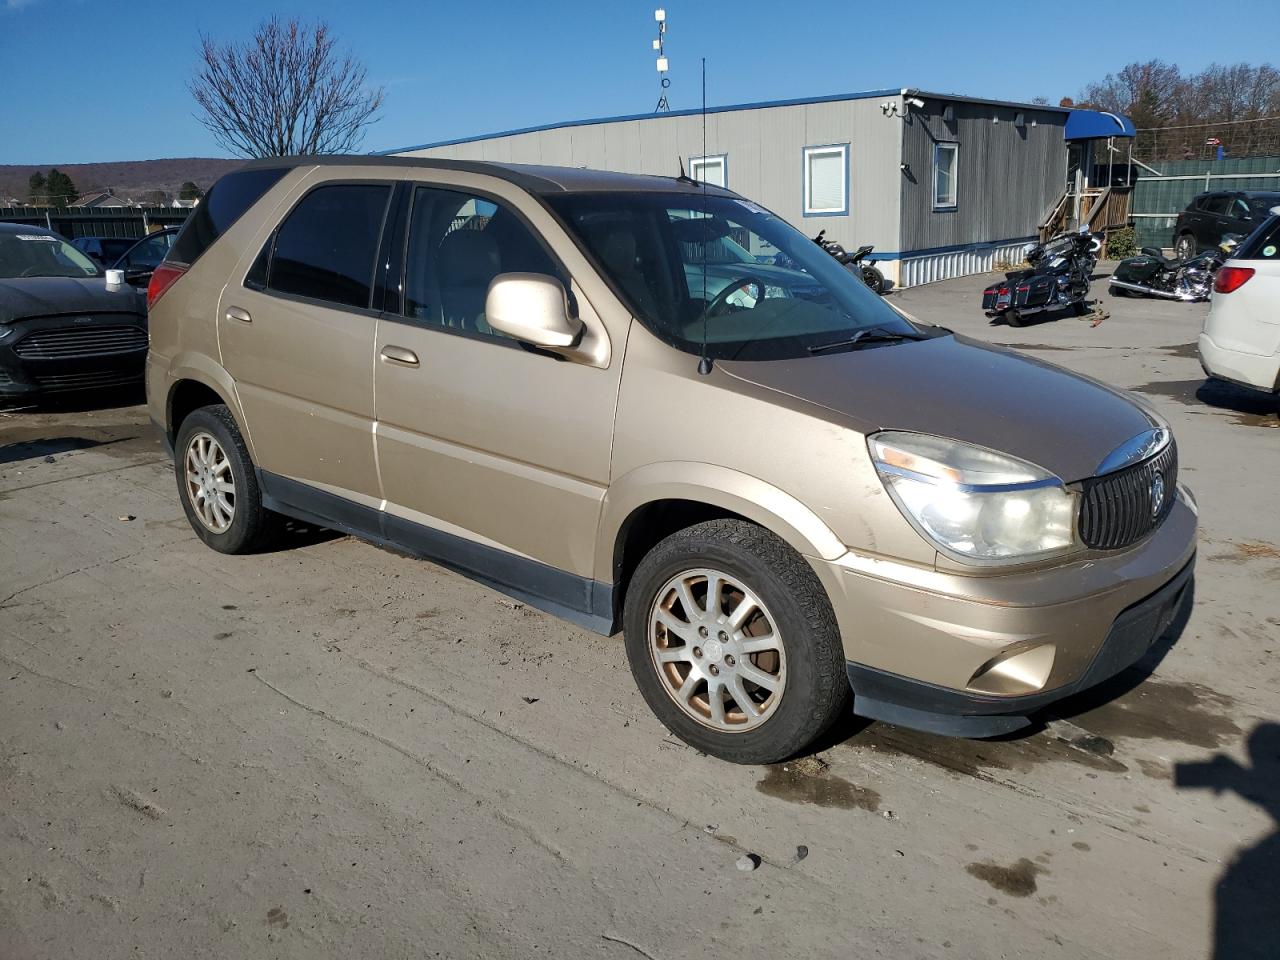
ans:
(1151, 274)
(855, 262)
(1058, 277)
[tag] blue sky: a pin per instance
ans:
(93, 81)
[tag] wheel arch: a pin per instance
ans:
(193, 386)
(652, 502)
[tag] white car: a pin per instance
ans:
(1241, 338)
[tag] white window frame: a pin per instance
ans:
(698, 164)
(940, 203)
(826, 149)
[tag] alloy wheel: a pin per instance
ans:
(211, 485)
(717, 650)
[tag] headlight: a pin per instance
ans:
(974, 503)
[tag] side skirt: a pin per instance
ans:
(580, 600)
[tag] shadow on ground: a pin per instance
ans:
(1247, 897)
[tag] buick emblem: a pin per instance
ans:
(1157, 494)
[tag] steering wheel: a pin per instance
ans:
(721, 299)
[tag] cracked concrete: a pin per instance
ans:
(339, 755)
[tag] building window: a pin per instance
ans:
(712, 170)
(945, 156)
(826, 180)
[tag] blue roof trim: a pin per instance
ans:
(800, 101)
(1097, 124)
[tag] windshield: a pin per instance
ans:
(41, 255)
(760, 288)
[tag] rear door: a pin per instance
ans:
(1212, 222)
(297, 330)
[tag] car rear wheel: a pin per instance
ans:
(1185, 248)
(218, 485)
(733, 643)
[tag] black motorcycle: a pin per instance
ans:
(1152, 274)
(855, 262)
(1057, 278)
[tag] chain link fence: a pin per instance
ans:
(1209, 141)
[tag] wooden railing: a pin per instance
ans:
(1101, 210)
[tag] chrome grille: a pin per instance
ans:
(62, 343)
(1119, 509)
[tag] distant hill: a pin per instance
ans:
(130, 178)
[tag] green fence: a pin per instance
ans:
(1157, 200)
(128, 222)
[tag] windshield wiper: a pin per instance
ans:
(869, 335)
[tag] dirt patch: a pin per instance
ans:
(1036, 346)
(1189, 350)
(1256, 550)
(810, 781)
(1155, 769)
(1189, 713)
(1017, 880)
(1081, 845)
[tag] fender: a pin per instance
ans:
(190, 365)
(717, 486)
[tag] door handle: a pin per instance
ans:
(235, 313)
(399, 355)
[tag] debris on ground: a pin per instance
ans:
(748, 862)
(126, 518)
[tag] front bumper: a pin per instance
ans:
(879, 695)
(1257, 371)
(974, 655)
(103, 359)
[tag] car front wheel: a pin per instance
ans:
(733, 643)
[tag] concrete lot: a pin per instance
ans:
(330, 750)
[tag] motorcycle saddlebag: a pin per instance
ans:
(996, 297)
(1140, 269)
(1033, 291)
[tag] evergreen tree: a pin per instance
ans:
(37, 187)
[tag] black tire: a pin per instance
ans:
(1184, 248)
(252, 526)
(1082, 308)
(874, 279)
(816, 690)
(1013, 318)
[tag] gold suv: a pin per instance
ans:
(649, 404)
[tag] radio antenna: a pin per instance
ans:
(704, 362)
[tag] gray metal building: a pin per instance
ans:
(943, 185)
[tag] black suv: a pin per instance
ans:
(1210, 216)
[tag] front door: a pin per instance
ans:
(297, 336)
(479, 436)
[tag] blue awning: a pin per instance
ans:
(1096, 124)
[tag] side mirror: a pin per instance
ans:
(531, 307)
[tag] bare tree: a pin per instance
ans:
(287, 91)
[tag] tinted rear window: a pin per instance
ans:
(326, 247)
(224, 204)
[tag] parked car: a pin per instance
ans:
(103, 251)
(143, 256)
(1241, 338)
(779, 499)
(1209, 217)
(62, 325)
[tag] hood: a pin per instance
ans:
(965, 390)
(24, 297)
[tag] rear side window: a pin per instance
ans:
(1262, 244)
(225, 203)
(326, 247)
(1217, 204)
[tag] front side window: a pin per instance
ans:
(826, 180)
(41, 254)
(457, 244)
(712, 170)
(945, 186)
(147, 254)
(326, 247)
(725, 269)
